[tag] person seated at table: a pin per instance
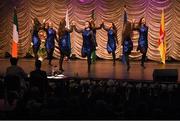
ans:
(38, 78)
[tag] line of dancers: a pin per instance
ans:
(89, 39)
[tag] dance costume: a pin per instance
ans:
(42, 50)
(50, 43)
(64, 46)
(143, 42)
(36, 42)
(127, 43)
(111, 44)
(88, 44)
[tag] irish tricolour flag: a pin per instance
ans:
(15, 35)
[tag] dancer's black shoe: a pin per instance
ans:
(142, 65)
(128, 68)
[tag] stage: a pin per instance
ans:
(102, 69)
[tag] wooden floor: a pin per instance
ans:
(101, 69)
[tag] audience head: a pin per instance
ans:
(13, 61)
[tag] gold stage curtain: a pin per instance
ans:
(80, 11)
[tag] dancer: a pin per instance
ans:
(64, 39)
(43, 36)
(127, 42)
(88, 42)
(143, 38)
(112, 39)
(94, 28)
(125, 19)
(35, 37)
(50, 43)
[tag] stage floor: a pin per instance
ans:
(102, 69)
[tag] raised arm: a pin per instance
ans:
(78, 30)
(93, 39)
(56, 36)
(31, 30)
(122, 40)
(74, 27)
(115, 34)
(99, 27)
(69, 29)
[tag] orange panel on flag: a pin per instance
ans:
(14, 49)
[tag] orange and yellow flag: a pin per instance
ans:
(161, 41)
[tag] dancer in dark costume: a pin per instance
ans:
(94, 28)
(50, 43)
(112, 39)
(143, 38)
(88, 42)
(127, 42)
(35, 37)
(64, 42)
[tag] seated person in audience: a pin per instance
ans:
(15, 70)
(38, 78)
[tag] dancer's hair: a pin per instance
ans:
(62, 29)
(140, 22)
